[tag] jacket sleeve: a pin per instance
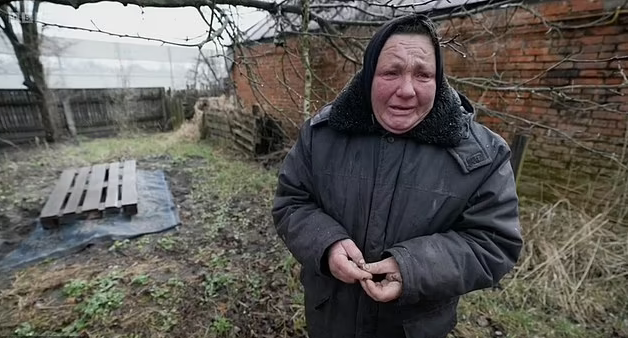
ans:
(480, 248)
(300, 222)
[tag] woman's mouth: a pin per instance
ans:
(401, 109)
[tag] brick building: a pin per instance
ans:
(550, 69)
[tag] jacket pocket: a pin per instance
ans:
(432, 321)
(318, 291)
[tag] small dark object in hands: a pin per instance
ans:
(379, 277)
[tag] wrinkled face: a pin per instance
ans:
(404, 85)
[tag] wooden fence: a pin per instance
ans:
(82, 111)
(251, 133)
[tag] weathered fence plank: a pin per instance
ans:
(17, 119)
(87, 110)
(253, 134)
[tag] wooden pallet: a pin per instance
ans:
(91, 192)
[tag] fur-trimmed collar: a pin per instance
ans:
(445, 125)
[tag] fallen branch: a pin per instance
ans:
(9, 143)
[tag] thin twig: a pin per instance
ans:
(535, 89)
(162, 41)
(556, 130)
(9, 143)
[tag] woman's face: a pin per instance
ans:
(404, 85)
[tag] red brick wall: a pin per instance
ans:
(332, 72)
(565, 124)
(510, 47)
(271, 76)
(277, 74)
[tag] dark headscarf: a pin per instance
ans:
(352, 111)
(374, 48)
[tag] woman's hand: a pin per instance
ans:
(345, 260)
(389, 288)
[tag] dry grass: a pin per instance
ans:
(571, 280)
(575, 259)
(572, 262)
(190, 131)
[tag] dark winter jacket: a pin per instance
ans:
(440, 199)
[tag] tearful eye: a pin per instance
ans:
(424, 76)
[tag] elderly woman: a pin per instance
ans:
(394, 200)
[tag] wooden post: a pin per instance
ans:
(518, 148)
(255, 109)
(165, 109)
(257, 128)
(69, 115)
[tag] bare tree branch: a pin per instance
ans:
(614, 58)
(8, 28)
(621, 71)
(387, 4)
(305, 53)
(209, 38)
(35, 10)
(546, 127)
(606, 19)
(467, 81)
(271, 7)
(208, 63)
(351, 43)
(13, 8)
(9, 143)
(267, 6)
(339, 6)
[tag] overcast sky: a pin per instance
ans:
(95, 63)
(172, 24)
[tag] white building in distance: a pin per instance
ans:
(81, 63)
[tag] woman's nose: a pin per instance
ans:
(406, 89)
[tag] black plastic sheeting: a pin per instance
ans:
(157, 212)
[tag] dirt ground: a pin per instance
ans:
(222, 273)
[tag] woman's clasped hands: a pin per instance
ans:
(380, 280)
